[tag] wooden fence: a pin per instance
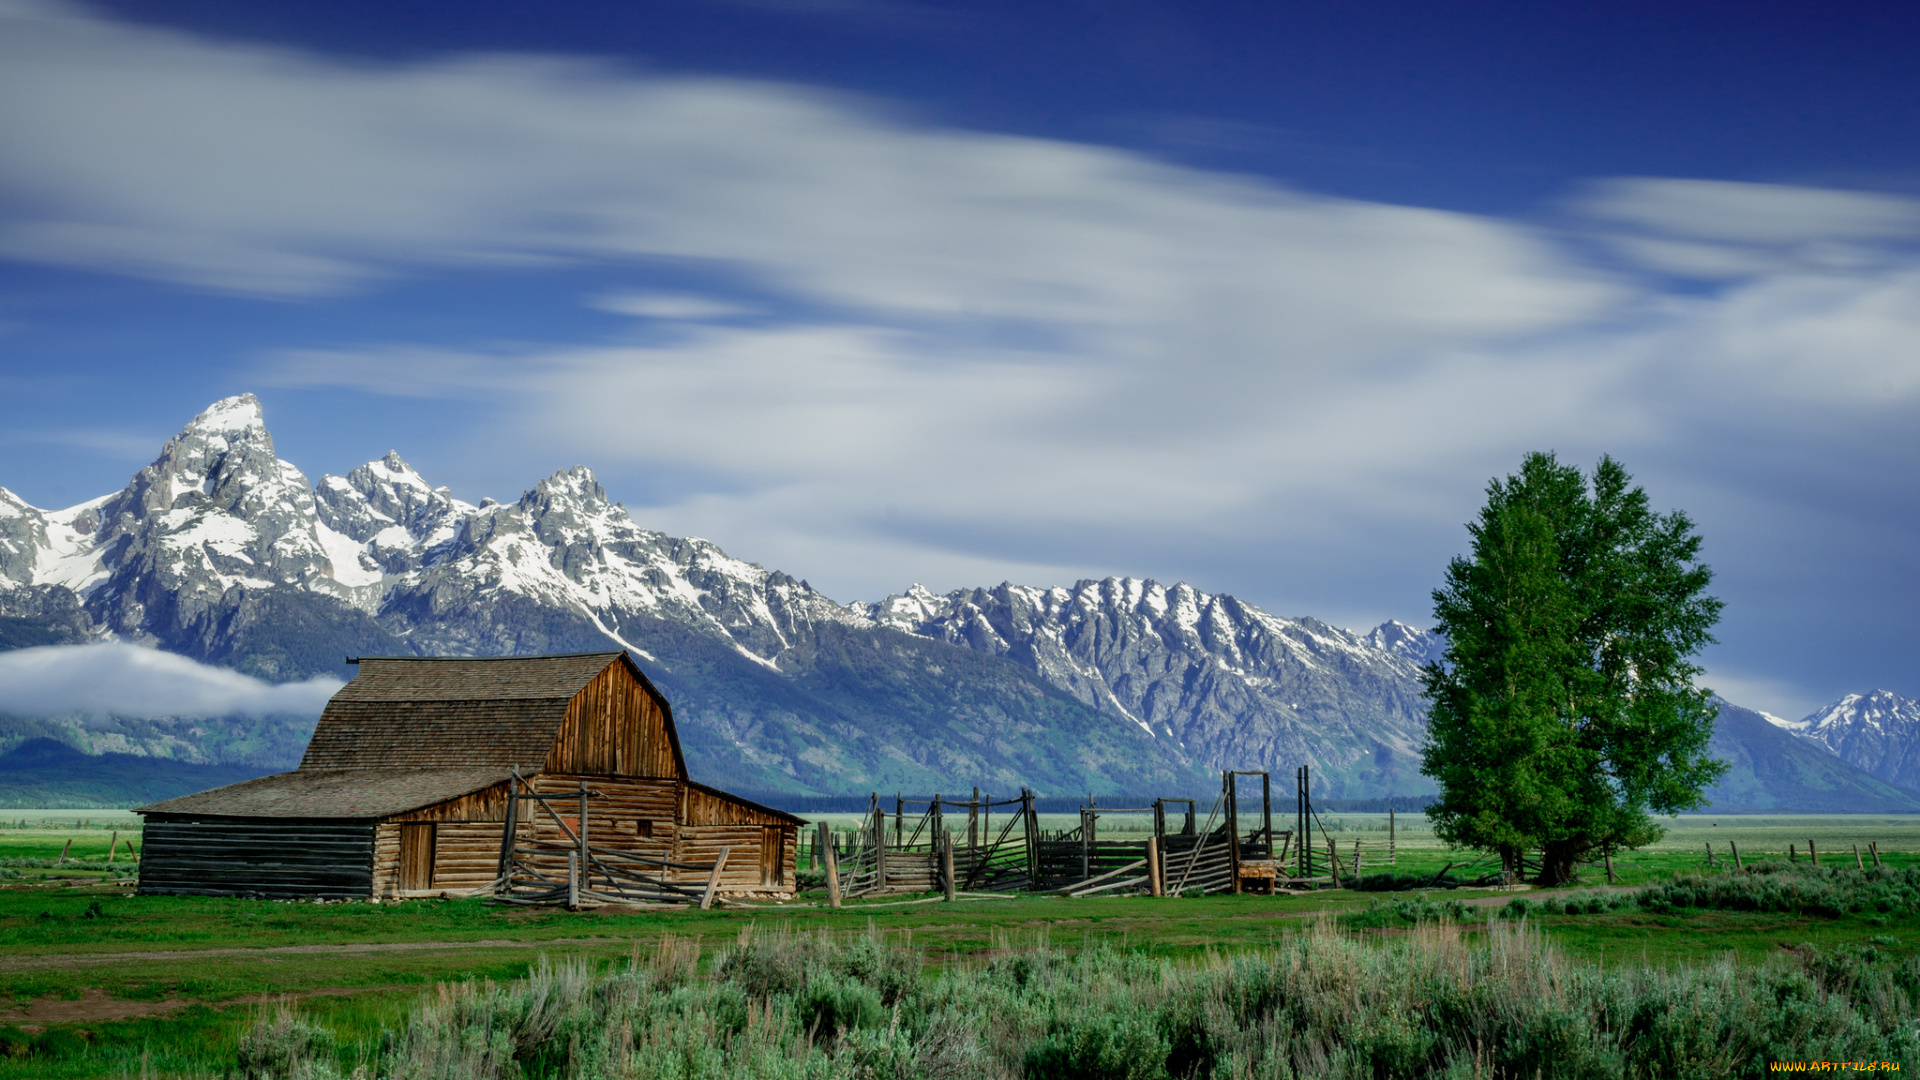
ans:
(997, 845)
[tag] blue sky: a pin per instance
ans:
(1253, 296)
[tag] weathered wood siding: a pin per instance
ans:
(488, 805)
(615, 727)
(701, 806)
(283, 859)
(632, 814)
(759, 858)
(466, 856)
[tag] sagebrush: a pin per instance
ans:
(1436, 1001)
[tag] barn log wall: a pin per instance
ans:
(466, 856)
(615, 727)
(281, 859)
(687, 824)
(701, 844)
(614, 817)
(712, 818)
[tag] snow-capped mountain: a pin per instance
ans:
(1879, 732)
(1222, 678)
(222, 551)
(218, 520)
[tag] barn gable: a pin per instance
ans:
(587, 713)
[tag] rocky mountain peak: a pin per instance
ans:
(1411, 642)
(239, 415)
(223, 458)
(574, 487)
(386, 505)
(1879, 732)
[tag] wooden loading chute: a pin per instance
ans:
(884, 857)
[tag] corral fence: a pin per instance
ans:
(982, 845)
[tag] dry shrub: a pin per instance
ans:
(1436, 1002)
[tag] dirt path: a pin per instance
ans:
(94, 1005)
(10, 964)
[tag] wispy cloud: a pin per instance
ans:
(657, 305)
(973, 353)
(116, 679)
(1752, 213)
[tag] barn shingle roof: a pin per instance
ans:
(340, 794)
(497, 713)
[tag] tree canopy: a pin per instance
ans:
(1563, 714)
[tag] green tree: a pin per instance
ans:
(1564, 712)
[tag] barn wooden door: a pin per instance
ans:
(416, 856)
(772, 847)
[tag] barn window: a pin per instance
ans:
(643, 828)
(416, 856)
(773, 850)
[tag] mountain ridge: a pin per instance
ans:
(222, 551)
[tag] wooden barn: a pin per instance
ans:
(405, 791)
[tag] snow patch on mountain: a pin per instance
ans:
(198, 548)
(1879, 732)
(1206, 670)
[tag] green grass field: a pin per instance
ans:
(95, 978)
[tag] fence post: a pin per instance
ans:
(1873, 846)
(946, 863)
(1607, 854)
(1086, 857)
(880, 851)
(1393, 855)
(1154, 883)
(1266, 811)
(1306, 819)
(584, 856)
(1230, 787)
(1857, 864)
(1813, 853)
(973, 828)
(832, 858)
(1792, 856)
(1031, 826)
(511, 831)
(573, 880)
(1735, 848)
(899, 820)
(713, 880)
(1333, 862)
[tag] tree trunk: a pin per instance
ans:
(1557, 860)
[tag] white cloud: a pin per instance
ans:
(651, 305)
(976, 354)
(1833, 339)
(117, 679)
(1752, 213)
(233, 166)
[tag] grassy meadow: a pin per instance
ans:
(102, 983)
